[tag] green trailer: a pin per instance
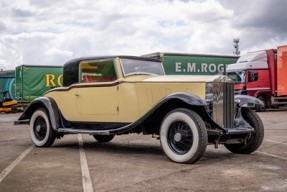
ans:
(33, 81)
(7, 83)
(193, 64)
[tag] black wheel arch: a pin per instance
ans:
(247, 101)
(46, 103)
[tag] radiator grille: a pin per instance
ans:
(223, 101)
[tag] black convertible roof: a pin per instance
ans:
(71, 68)
(78, 60)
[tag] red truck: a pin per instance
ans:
(262, 74)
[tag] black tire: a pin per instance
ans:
(183, 136)
(41, 132)
(103, 138)
(256, 138)
(261, 108)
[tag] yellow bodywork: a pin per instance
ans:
(124, 100)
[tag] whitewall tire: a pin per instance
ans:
(41, 133)
(183, 136)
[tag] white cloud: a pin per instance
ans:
(52, 32)
(57, 52)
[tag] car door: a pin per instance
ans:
(97, 96)
(97, 100)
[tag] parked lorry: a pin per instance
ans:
(193, 64)
(7, 83)
(33, 81)
(262, 74)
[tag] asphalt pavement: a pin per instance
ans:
(136, 163)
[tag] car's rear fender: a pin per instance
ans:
(45, 103)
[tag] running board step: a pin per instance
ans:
(85, 131)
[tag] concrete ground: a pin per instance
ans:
(137, 163)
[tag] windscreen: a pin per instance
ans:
(237, 77)
(137, 67)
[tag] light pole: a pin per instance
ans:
(236, 46)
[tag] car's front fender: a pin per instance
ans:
(186, 97)
(247, 101)
(46, 103)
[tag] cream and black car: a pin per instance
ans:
(115, 95)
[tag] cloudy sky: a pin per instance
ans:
(40, 32)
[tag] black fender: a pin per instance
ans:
(177, 100)
(43, 102)
(247, 101)
(192, 102)
(188, 98)
(244, 101)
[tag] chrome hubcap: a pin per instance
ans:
(177, 137)
(38, 128)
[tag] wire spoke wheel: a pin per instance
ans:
(180, 137)
(40, 128)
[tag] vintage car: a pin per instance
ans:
(115, 95)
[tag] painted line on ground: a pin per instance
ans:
(15, 163)
(272, 155)
(276, 142)
(86, 177)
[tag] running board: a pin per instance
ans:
(20, 122)
(85, 131)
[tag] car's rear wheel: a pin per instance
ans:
(41, 132)
(183, 136)
(103, 138)
(255, 139)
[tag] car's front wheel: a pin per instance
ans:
(41, 132)
(183, 136)
(103, 138)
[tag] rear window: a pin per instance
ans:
(97, 71)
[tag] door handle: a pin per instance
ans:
(77, 95)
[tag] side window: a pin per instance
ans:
(97, 71)
(252, 76)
